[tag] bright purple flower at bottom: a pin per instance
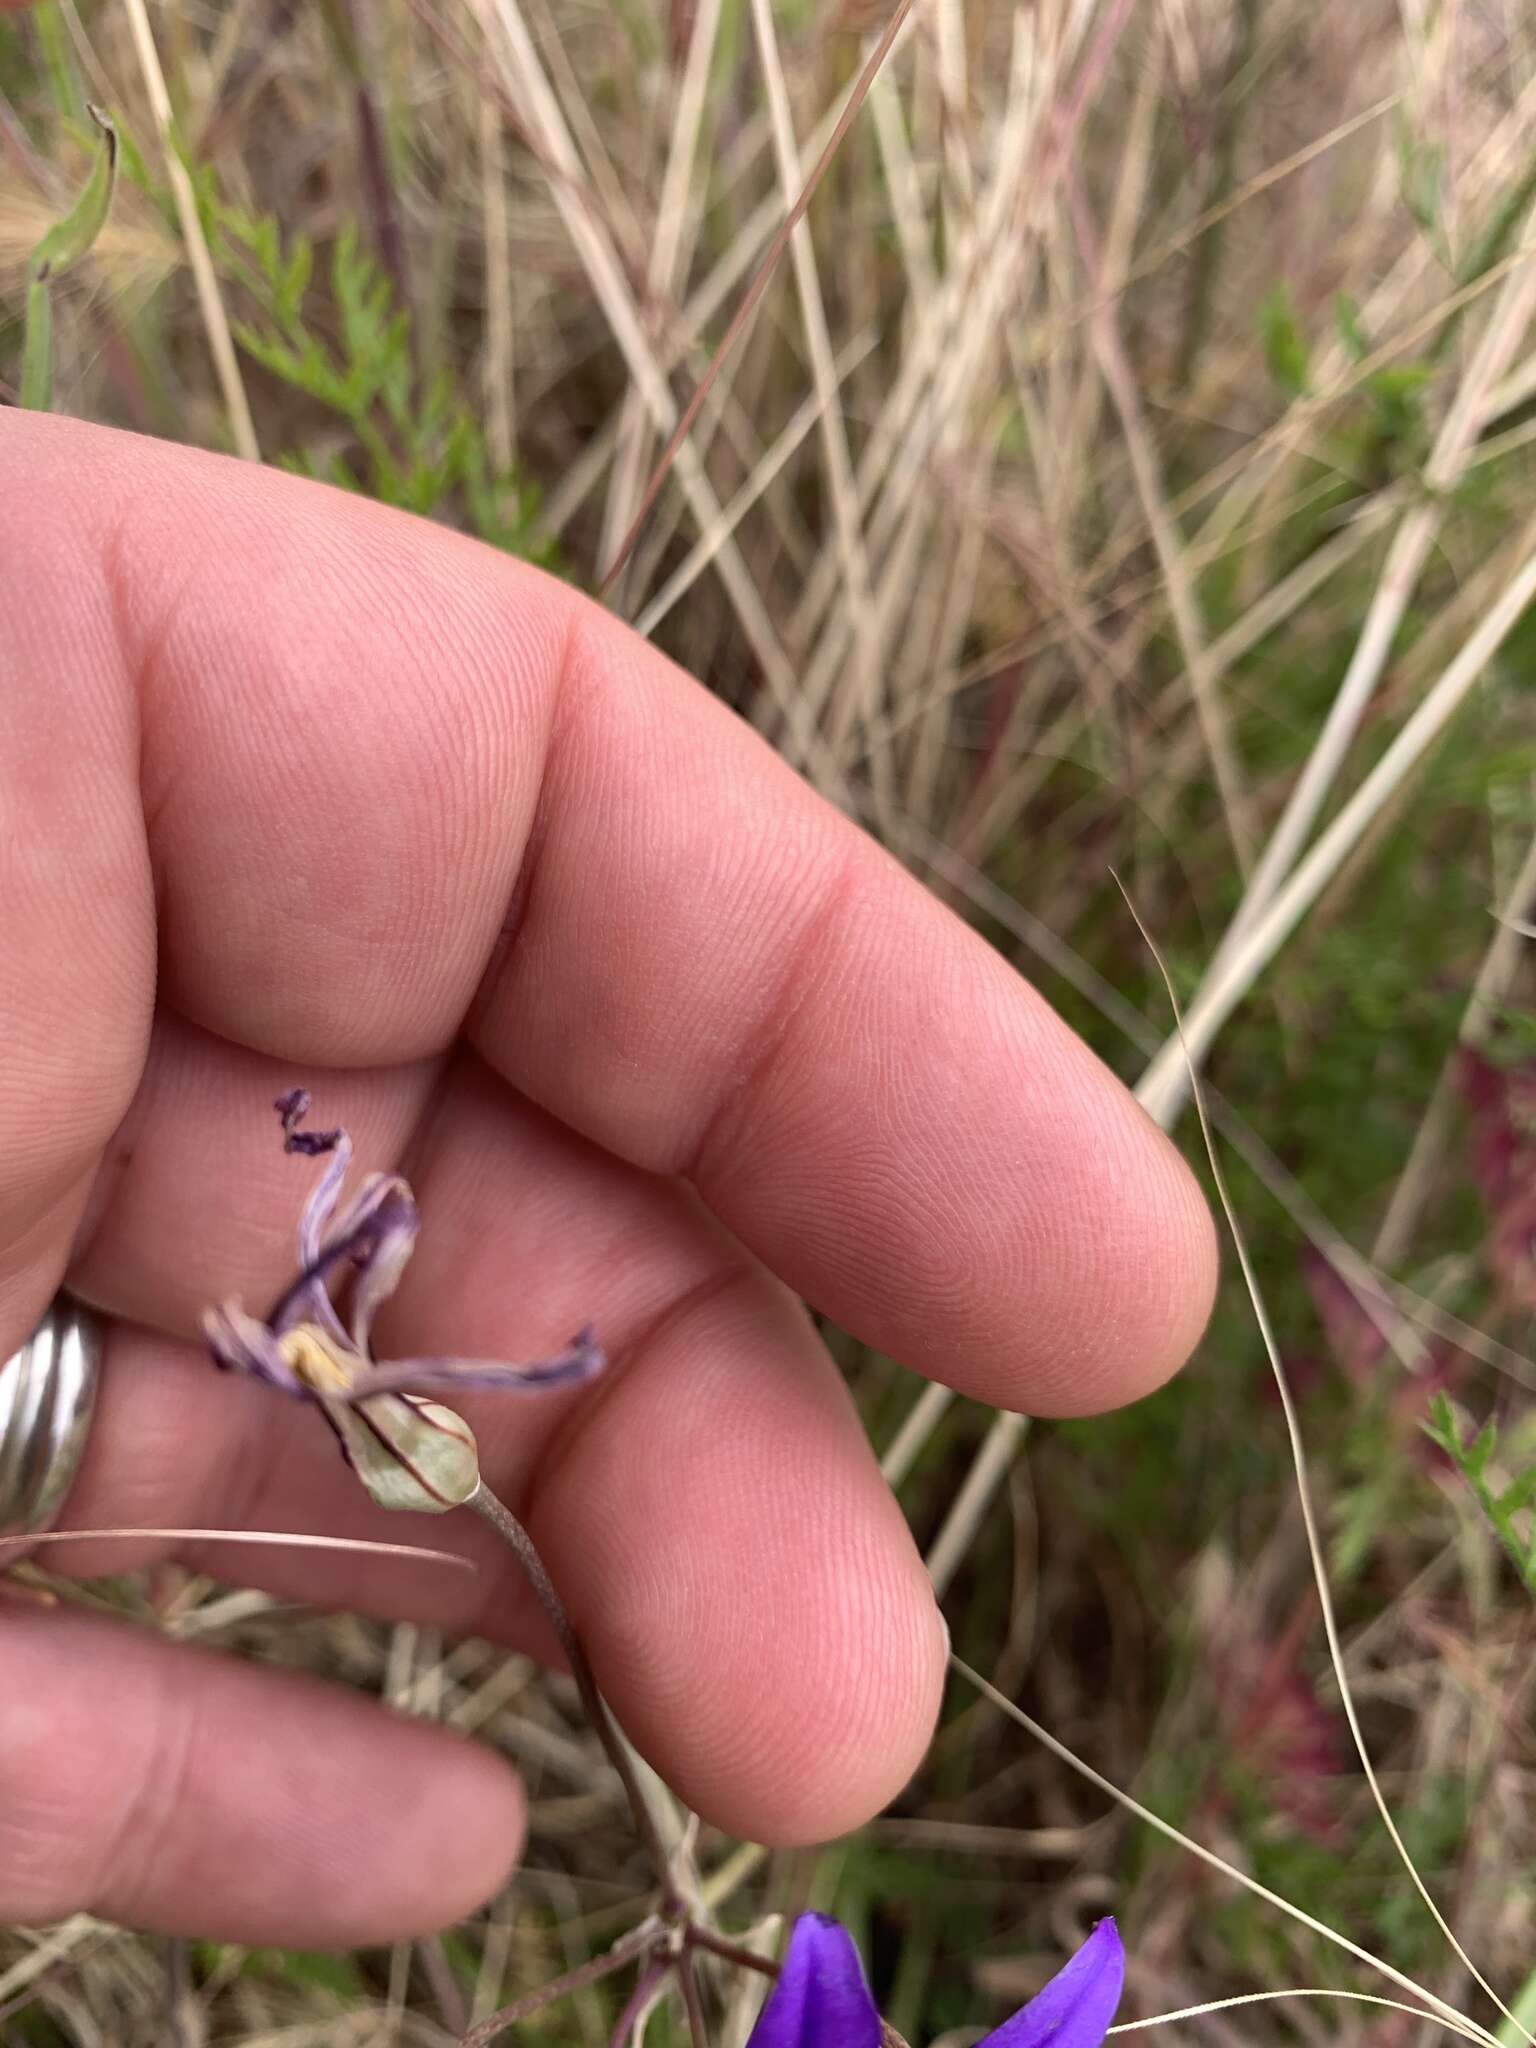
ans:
(822, 2001)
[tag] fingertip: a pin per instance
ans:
(1134, 1277)
(178, 1791)
(465, 1842)
(818, 1722)
(856, 1739)
(755, 1606)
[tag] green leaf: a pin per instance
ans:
(1481, 1449)
(70, 238)
(1421, 168)
(1285, 350)
(37, 348)
(1346, 315)
(1471, 1461)
(64, 244)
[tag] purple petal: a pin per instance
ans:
(582, 1360)
(316, 1211)
(240, 1343)
(821, 1999)
(1075, 2008)
(312, 1305)
(293, 1108)
(391, 1239)
(379, 1224)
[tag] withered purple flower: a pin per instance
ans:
(822, 2001)
(408, 1451)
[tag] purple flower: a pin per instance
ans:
(822, 2001)
(408, 1452)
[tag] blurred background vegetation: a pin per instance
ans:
(1142, 370)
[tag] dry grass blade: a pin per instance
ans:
(526, 78)
(50, 1950)
(829, 419)
(1410, 549)
(501, 421)
(758, 286)
(675, 209)
(987, 1472)
(209, 298)
(1162, 1087)
(1195, 2012)
(270, 1538)
(1431, 2006)
(1309, 1513)
(769, 465)
(1178, 583)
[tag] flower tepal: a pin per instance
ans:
(821, 1999)
(408, 1452)
(1075, 2008)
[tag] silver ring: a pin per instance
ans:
(47, 1393)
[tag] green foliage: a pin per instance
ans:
(58, 61)
(1434, 1831)
(1502, 1509)
(1421, 176)
(1285, 349)
(1346, 315)
(62, 246)
(337, 1977)
(411, 440)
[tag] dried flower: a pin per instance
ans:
(822, 2001)
(408, 1452)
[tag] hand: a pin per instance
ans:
(659, 1040)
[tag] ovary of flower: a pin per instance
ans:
(410, 1453)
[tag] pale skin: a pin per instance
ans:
(661, 1042)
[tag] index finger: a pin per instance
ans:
(395, 785)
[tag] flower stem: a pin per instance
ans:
(693, 2002)
(646, 1985)
(730, 1951)
(624, 1950)
(516, 1537)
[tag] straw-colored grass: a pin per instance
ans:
(1114, 456)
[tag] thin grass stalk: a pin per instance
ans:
(1163, 1087)
(1437, 2007)
(496, 383)
(215, 321)
(526, 80)
(1214, 2005)
(1309, 1520)
(1399, 577)
(888, 41)
(968, 1509)
(666, 261)
(769, 465)
(837, 462)
(1183, 603)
